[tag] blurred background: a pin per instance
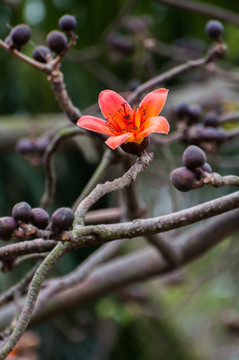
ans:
(194, 313)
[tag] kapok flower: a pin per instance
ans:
(127, 125)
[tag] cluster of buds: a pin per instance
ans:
(56, 40)
(22, 213)
(195, 167)
(33, 149)
(198, 129)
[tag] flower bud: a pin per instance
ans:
(206, 167)
(7, 226)
(20, 34)
(214, 29)
(182, 179)
(194, 157)
(134, 148)
(194, 112)
(41, 53)
(24, 146)
(22, 211)
(211, 119)
(56, 41)
(62, 219)
(40, 218)
(67, 23)
(181, 110)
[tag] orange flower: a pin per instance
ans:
(124, 124)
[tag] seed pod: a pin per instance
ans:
(22, 211)
(56, 41)
(182, 179)
(40, 218)
(7, 225)
(134, 148)
(20, 34)
(67, 23)
(62, 219)
(214, 29)
(194, 157)
(40, 53)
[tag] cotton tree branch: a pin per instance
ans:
(102, 233)
(101, 189)
(26, 247)
(205, 9)
(212, 55)
(140, 266)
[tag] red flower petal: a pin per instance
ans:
(114, 141)
(152, 104)
(110, 103)
(156, 124)
(94, 124)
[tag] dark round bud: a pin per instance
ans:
(7, 226)
(182, 179)
(211, 119)
(134, 148)
(181, 110)
(62, 219)
(41, 144)
(56, 41)
(25, 146)
(20, 34)
(40, 218)
(194, 112)
(41, 53)
(214, 29)
(206, 167)
(67, 23)
(194, 157)
(121, 43)
(22, 211)
(214, 134)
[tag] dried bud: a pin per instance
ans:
(41, 145)
(7, 226)
(212, 134)
(41, 53)
(194, 157)
(40, 218)
(211, 119)
(134, 148)
(182, 179)
(62, 219)
(214, 29)
(67, 23)
(20, 34)
(57, 41)
(22, 211)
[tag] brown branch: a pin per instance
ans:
(212, 55)
(26, 247)
(102, 189)
(205, 9)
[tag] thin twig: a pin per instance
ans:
(59, 137)
(205, 9)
